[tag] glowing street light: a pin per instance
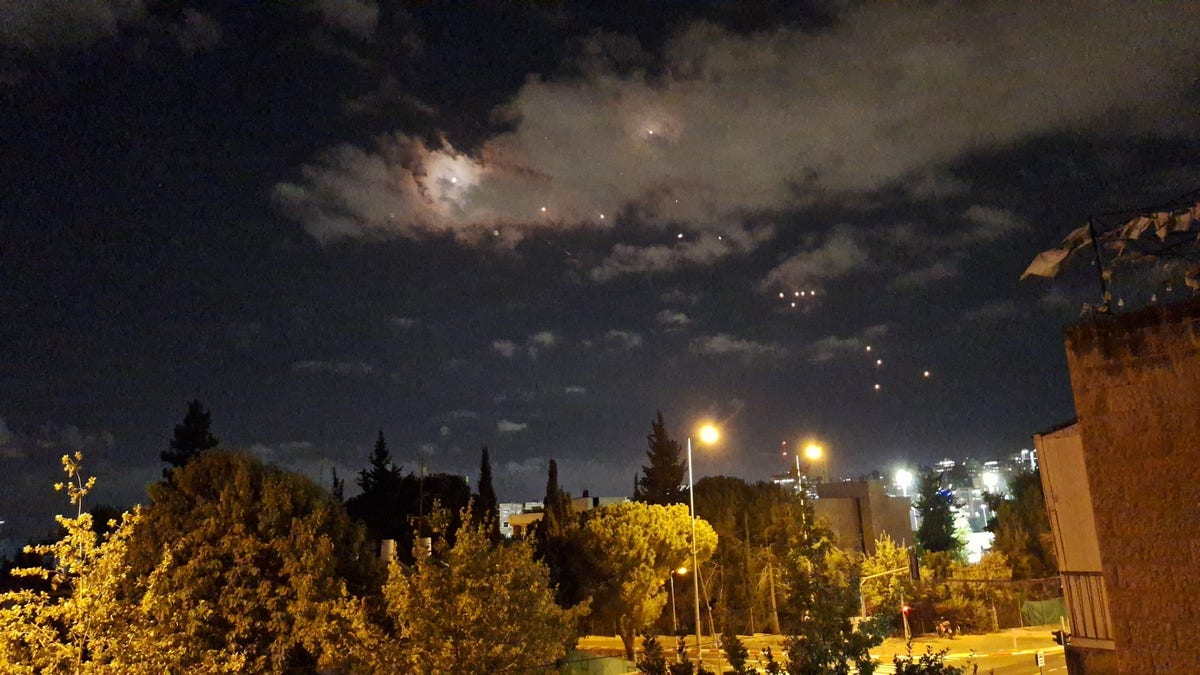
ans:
(708, 434)
(904, 480)
(815, 453)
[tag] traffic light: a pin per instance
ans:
(904, 609)
(914, 566)
(1061, 637)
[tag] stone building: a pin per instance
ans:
(1136, 381)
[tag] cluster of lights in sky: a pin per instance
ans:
(925, 374)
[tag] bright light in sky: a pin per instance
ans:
(709, 434)
(904, 478)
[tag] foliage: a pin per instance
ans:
(191, 438)
(943, 595)
(394, 505)
(78, 624)
(883, 595)
(683, 663)
(661, 481)
(239, 562)
(559, 543)
(754, 525)
(1022, 528)
(475, 607)
(933, 504)
(653, 660)
(929, 663)
(822, 599)
(771, 666)
(632, 548)
(735, 651)
(337, 486)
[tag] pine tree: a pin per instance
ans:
(383, 475)
(486, 509)
(662, 481)
(192, 437)
(933, 505)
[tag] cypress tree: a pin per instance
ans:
(486, 508)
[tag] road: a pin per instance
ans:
(1009, 652)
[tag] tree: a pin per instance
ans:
(485, 508)
(934, 506)
(884, 594)
(661, 481)
(239, 562)
(337, 485)
(559, 544)
(475, 607)
(79, 624)
(191, 438)
(1022, 528)
(633, 547)
(821, 601)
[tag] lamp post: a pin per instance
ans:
(675, 622)
(708, 435)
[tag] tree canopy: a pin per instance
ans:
(662, 479)
(633, 547)
(238, 560)
(475, 607)
(1022, 528)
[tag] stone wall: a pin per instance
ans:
(1136, 380)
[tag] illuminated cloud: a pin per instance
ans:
(742, 126)
(33, 24)
(841, 253)
(356, 17)
(333, 367)
(505, 348)
(624, 338)
(507, 427)
(832, 347)
(727, 345)
(671, 318)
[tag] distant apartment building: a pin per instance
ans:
(859, 512)
(517, 523)
(1123, 489)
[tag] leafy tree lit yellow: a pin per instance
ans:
(883, 592)
(633, 548)
(255, 564)
(80, 625)
(479, 608)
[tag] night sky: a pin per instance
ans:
(530, 226)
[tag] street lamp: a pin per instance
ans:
(904, 480)
(708, 435)
(675, 622)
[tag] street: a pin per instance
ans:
(1009, 652)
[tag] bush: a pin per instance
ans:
(929, 663)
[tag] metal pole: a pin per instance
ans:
(695, 557)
